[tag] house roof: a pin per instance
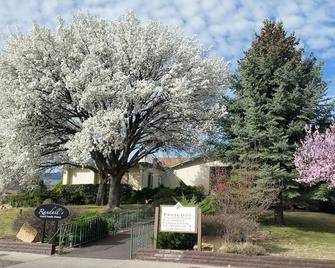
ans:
(200, 157)
(171, 161)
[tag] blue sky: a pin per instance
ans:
(225, 25)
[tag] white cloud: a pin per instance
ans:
(227, 25)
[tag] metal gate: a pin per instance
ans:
(80, 233)
(141, 236)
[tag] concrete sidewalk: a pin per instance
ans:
(12, 258)
(69, 262)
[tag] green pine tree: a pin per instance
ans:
(276, 91)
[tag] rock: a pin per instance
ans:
(5, 206)
(205, 247)
(28, 233)
(48, 201)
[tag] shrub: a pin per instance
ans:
(232, 228)
(164, 201)
(81, 194)
(206, 205)
(141, 196)
(243, 248)
(62, 194)
(244, 194)
(126, 193)
(176, 241)
(186, 190)
(164, 192)
(26, 199)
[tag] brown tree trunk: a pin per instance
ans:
(101, 194)
(101, 189)
(279, 211)
(114, 191)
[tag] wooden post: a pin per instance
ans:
(156, 227)
(55, 233)
(43, 230)
(199, 229)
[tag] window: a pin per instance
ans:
(150, 180)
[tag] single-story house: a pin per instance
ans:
(169, 172)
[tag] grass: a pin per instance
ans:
(306, 235)
(8, 216)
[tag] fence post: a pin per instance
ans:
(131, 242)
(156, 226)
(199, 229)
(60, 239)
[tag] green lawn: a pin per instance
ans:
(306, 235)
(8, 216)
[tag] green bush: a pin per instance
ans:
(186, 190)
(126, 193)
(81, 194)
(176, 241)
(62, 194)
(164, 201)
(26, 199)
(206, 205)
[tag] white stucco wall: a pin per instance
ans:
(170, 179)
(138, 177)
(195, 173)
(79, 176)
(135, 178)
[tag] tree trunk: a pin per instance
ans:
(114, 191)
(279, 211)
(101, 189)
(101, 193)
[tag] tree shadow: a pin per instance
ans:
(309, 222)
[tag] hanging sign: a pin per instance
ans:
(51, 212)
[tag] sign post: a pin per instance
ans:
(50, 212)
(178, 219)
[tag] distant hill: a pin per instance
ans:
(52, 178)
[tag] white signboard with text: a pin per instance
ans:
(178, 219)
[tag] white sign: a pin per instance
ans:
(178, 219)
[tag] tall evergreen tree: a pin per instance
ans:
(276, 92)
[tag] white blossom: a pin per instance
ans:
(111, 90)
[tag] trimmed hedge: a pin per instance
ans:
(84, 194)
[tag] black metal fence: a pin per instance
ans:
(82, 232)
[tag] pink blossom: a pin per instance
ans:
(315, 157)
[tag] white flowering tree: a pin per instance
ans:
(103, 95)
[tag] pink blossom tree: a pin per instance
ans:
(315, 157)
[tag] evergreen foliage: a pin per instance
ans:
(276, 91)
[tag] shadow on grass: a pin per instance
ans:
(272, 248)
(305, 221)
